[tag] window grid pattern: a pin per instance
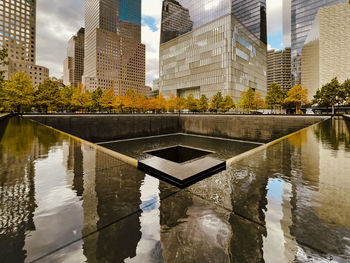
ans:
(18, 35)
(303, 13)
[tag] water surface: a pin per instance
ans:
(62, 199)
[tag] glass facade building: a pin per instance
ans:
(252, 13)
(206, 49)
(182, 16)
(114, 54)
(326, 52)
(303, 13)
(220, 56)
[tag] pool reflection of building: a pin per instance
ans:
(277, 205)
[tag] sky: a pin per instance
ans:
(55, 26)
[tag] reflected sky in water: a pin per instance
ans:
(65, 200)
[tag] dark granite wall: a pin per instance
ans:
(102, 128)
(257, 128)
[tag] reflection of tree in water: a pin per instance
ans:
(315, 192)
(334, 133)
(21, 143)
(298, 139)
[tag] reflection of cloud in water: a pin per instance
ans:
(277, 245)
(149, 246)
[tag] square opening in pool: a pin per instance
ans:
(179, 154)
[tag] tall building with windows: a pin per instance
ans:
(303, 13)
(73, 67)
(287, 23)
(326, 52)
(278, 68)
(114, 55)
(18, 35)
(206, 49)
(252, 13)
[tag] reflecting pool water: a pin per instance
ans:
(63, 199)
(223, 148)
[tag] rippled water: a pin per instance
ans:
(223, 148)
(63, 199)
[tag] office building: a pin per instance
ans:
(182, 16)
(325, 54)
(302, 16)
(210, 51)
(278, 68)
(114, 55)
(252, 13)
(287, 23)
(18, 35)
(73, 68)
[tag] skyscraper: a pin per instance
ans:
(182, 16)
(302, 16)
(326, 53)
(73, 68)
(278, 68)
(252, 13)
(287, 23)
(18, 35)
(114, 55)
(205, 49)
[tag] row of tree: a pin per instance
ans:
(19, 95)
(329, 95)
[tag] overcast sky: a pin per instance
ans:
(58, 20)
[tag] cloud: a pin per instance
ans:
(274, 16)
(57, 22)
(151, 18)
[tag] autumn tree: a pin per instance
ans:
(3, 62)
(227, 104)
(162, 103)
(66, 94)
(140, 103)
(81, 99)
(171, 103)
(118, 103)
(247, 100)
(275, 96)
(95, 97)
(203, 104)
(180, 103)
(192, 103)
(346, 91)
(259, 101)
(47, 96)
(216, 102)
(18, 92)
(106, 100)
(153, 105)
(296, 97)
